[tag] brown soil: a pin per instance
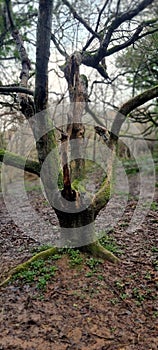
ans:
(109, 307)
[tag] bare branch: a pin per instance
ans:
(139, 100)
(57, 45)
(129, 106)
(127, 43)
(93, 60)
(126, 16)
(20, 47)
(130, 41)
(20, 89)
(26, 103)
(100, 14)
(19, 162)
(80, 19)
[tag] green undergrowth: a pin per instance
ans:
(38, 273)
(75, 256)
(154, 206)
(94, 268)
(42, 271)
(138, 293)
(108, 242)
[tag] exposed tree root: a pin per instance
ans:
(95, 249)
(21, 267)
(98, 251)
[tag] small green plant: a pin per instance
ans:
(44, 247)
(109, 243)
(60, 180)
(27, 276)
(155, 314)
(45, 202)
(123, 224)
(75, 256)
(100, 277)
(56, 256)
(42, 281)
(119, 284)
(113, 329)
(148, 275)
(138, 295)
(114, 301)
(124, 296)
(132, 171)
(154, 249)
(154, 206)
(155, 265)
(39, 272)
(89, 274)
(93, 262)
(37, 264)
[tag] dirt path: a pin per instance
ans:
(83, 307)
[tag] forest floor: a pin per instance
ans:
(74, 301)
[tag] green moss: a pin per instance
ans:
(20, 162)
(60, 180)
(77, 186)
(99, 251)
(103, 195)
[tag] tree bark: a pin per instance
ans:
(17, 161)
(44, 26)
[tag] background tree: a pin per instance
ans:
(81, 40)
(139, 66)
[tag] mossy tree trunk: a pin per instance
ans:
(72, 209)
(76, 214)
